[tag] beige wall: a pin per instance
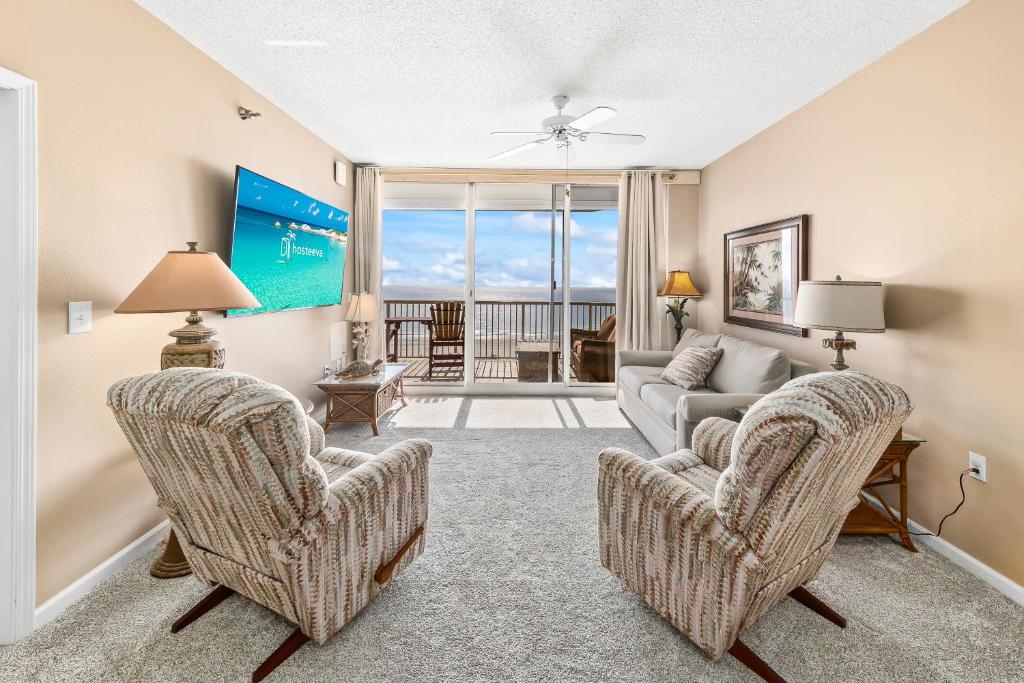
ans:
(912, 172)
(681, 250)
(138, 144)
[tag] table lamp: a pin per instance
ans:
(679, 286)
(840, 306)
(190, 281)
(361, 311)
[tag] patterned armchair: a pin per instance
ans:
(712, 538)
(262, 508)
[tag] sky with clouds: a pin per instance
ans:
(428, 248)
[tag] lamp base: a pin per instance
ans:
(206, 355)
(839, 343)
(195, 347)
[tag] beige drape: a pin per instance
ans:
(641, 221)
(364, 243)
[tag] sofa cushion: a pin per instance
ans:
(663, 398)
(633, 377)
(692, 337)
(748, 368)
(692, 366)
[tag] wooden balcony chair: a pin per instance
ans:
(593, 352)
(446, 345)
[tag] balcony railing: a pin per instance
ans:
(500, 325)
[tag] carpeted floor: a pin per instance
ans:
(510, 588)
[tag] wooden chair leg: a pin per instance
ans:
(809, 600)
(212, 599)
(385, 571)
(749, 659)
(296, 640)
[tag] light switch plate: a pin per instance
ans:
(79, 317)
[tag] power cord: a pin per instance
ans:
(963, 499)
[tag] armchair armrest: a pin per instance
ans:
(692, 409)
(623, 476)
(662, 537)
(712, 441)
(379, 509)
(577, 333)
(656, 359)
(317, 440)
(599, 346)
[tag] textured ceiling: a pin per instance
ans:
(422, 82)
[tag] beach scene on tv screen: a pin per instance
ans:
(288, 248)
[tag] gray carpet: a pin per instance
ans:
(510, 588)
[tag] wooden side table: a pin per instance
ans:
(891, 470)
(364, 399)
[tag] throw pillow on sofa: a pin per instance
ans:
(690, 369)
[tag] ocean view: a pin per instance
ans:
(504, 315)
(457, 293)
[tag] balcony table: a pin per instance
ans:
(394, 326)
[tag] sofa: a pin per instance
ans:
(667, 414)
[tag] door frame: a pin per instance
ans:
(18, 325)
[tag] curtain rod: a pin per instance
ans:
(597, 176)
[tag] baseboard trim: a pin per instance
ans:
(1004, 584)
(55, 606)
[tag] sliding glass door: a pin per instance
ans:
(592, 257)
(517, 296)
(502, 252)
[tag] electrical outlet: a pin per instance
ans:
(975, 460)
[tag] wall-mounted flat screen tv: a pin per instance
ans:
(288, 248)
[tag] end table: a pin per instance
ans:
(364, 399)
(891, 470)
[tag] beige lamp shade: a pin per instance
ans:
(362, 308)
(678, 283)
(840, 305)
(188, 281)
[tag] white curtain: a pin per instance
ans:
(641, 221)
(364, 243)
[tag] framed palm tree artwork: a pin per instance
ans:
(763, 269)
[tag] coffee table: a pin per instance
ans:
(364, 399)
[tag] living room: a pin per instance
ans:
(495, 309)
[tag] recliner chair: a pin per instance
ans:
(262, 508)
(712, 538)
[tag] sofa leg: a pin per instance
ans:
(750, 660)
(296, 640)
(212, 599)
(809, 600)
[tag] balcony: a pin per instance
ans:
(500, 327)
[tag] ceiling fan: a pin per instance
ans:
(564, 129)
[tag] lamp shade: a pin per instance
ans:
(678, 283)
(840, 305)
(362, 308)
(188, 281)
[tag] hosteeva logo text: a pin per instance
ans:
(308, 251)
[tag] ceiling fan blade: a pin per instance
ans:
(518, 132)
(616, 138)
(517, 149)
(593, 117)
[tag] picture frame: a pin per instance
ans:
(764, 265)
